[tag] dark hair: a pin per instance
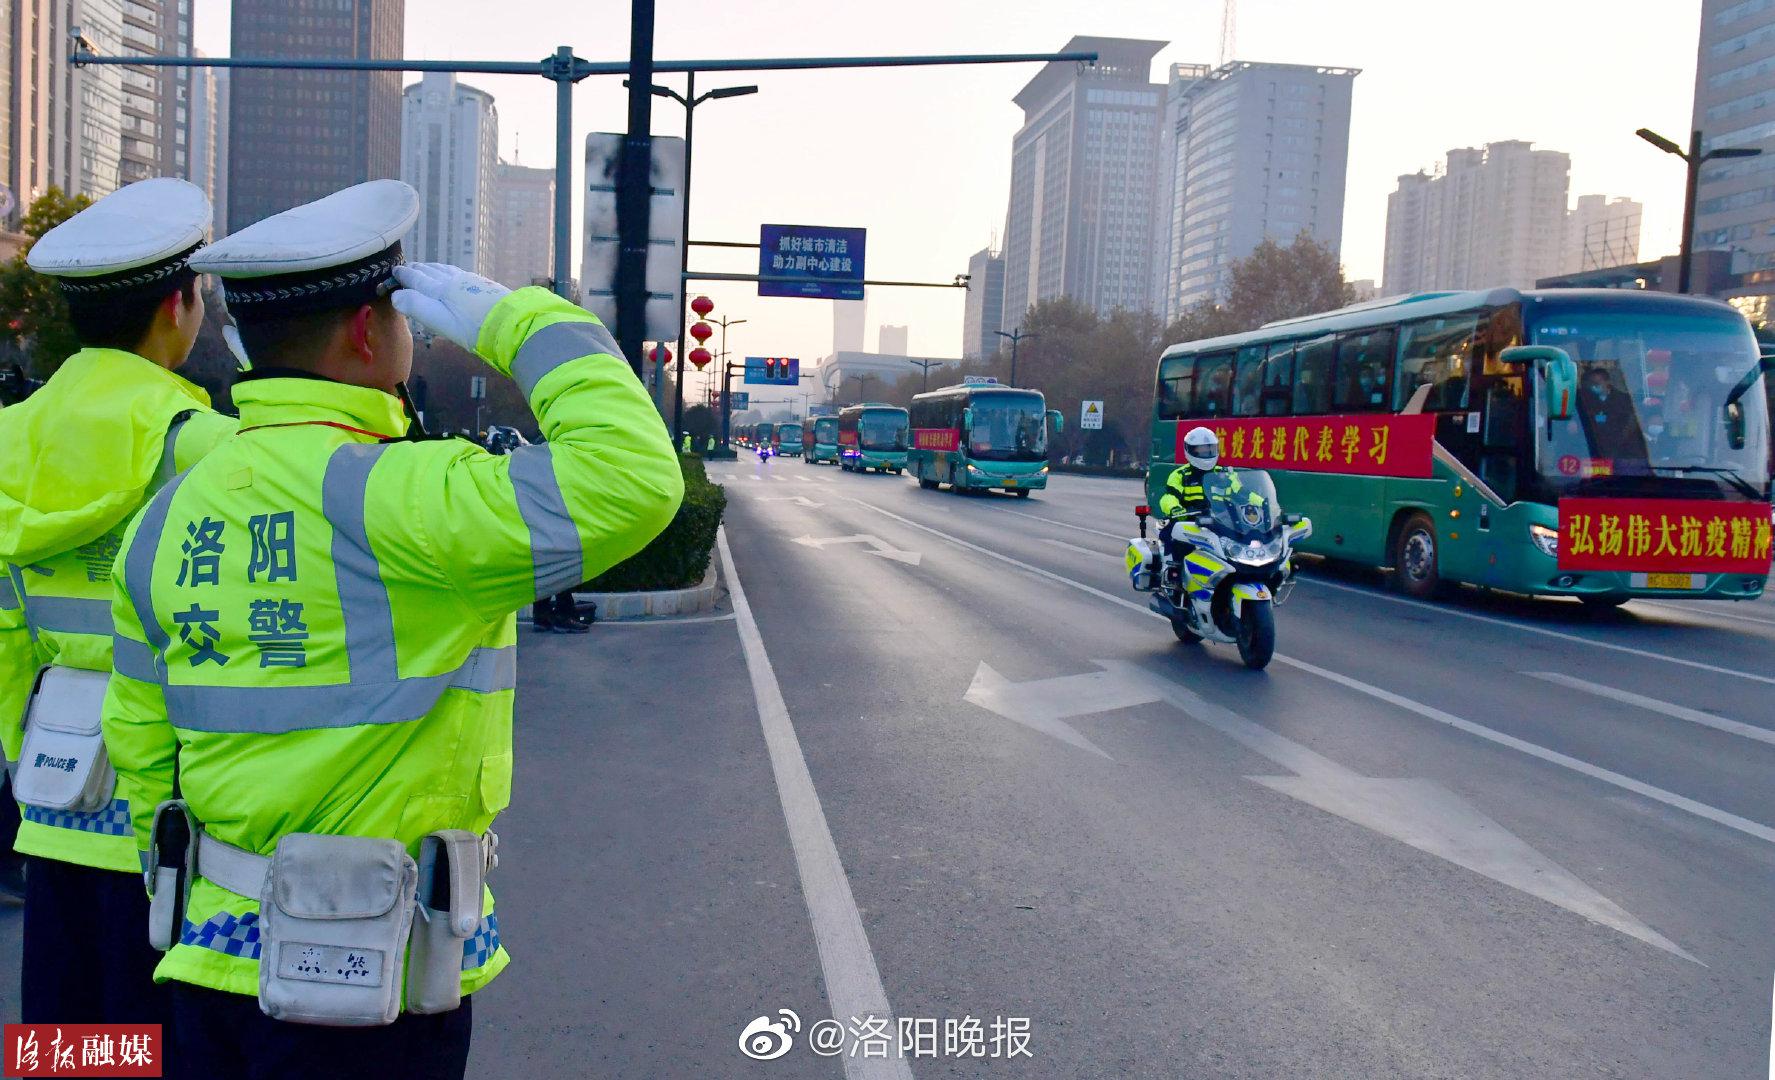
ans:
(121, 321)
(296, 341)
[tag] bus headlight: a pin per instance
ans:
(1546, 539)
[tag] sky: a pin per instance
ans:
(921, 156)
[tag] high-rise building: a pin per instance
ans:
(1083, 174)
(63, 126)
(892, 340)
(294, 136)
(1601, 232)
(207, 163)
(156, 100)
(1257, 151)
(1493, 217)
(983, 316)
(7, 105)
(848, 317)
(449, 148)
(97, 137)
(1735, 106)
(523, 225)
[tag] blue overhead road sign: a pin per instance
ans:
(822, 262)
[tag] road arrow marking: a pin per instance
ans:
(878, 547)
(1417, 812)
(800, 499)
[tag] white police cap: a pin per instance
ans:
(134, 238)
(335, 252)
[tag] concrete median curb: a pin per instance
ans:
(656, 603)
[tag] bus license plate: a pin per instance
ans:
(1010, 481)
(1670, 581)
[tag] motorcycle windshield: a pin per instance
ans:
(1242, 504)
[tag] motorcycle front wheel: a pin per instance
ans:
(1184, 633)
(1257, 634)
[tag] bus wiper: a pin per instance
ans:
(1738, 483)
(1765, 365)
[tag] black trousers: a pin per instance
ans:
(552, 609)
(224, 1036)
(86, 955)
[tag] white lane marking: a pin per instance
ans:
(800, 500)
(669, 620)
(1638, 701)
(876, 545)
(1542, 630)
(1554, 757)
(1080, 550)
(1414, 811)
(1061, 524)
(1702, 613)
(1701, 810)
(853, 981)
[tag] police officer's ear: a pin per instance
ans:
(361, 332)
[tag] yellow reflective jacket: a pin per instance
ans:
(315, 625)
(77, 460)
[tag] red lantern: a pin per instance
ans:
(702, 305)
(702, 332)
(701, 357)
(660, 354)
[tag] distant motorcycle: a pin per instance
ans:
(1239, 566)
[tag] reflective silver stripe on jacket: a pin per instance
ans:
(557, 558)
(169, 460)
(68, 615)
(134, 660)
(374, 692)
(557, 344)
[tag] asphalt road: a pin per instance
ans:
(933, 765)
(1481, 837)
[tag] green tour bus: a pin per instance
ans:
(872, 437)
(825, 444)
(979, 436)
(1602, 444)
(789, 439)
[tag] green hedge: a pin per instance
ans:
(678, 557)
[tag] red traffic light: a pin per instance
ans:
(702, 305)
(702, 331)
(700, 357)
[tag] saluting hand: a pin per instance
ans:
(447, 300)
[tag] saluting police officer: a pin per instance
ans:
(316, 644)
(77, 459)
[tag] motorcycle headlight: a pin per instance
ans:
(1256, 552)
(1546, 539)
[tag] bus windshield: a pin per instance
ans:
(882, 430)
(1008, 427)
(789, 433)
(1654, 392)
(826, 429)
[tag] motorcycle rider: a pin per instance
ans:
(1184, 493)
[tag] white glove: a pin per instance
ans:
(447, 300)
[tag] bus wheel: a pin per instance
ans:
(1604, 602)
(1023, 493)
(1415, 570)
(928, 485)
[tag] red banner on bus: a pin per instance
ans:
(1383, 445)
(947, 439)
(1683, 535)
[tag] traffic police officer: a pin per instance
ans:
(316, 643)
(77, 459)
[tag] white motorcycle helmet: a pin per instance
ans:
(1201, 448)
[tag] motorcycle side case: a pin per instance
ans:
(1143, 561)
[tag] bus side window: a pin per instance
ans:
(1214, 385)
(1312, 376)
(1364, 369)
(1248, 381)
(1436, 352)
(1278, 379)
(1177, 379)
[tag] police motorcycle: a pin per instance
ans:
(1237, 565)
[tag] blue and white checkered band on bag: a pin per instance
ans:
(236, 935)
(479, 948)
(113, 820)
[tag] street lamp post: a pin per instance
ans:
(1015, 335)
(690, 101)
(1694, 158)
(925, 366)
(726, 378)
